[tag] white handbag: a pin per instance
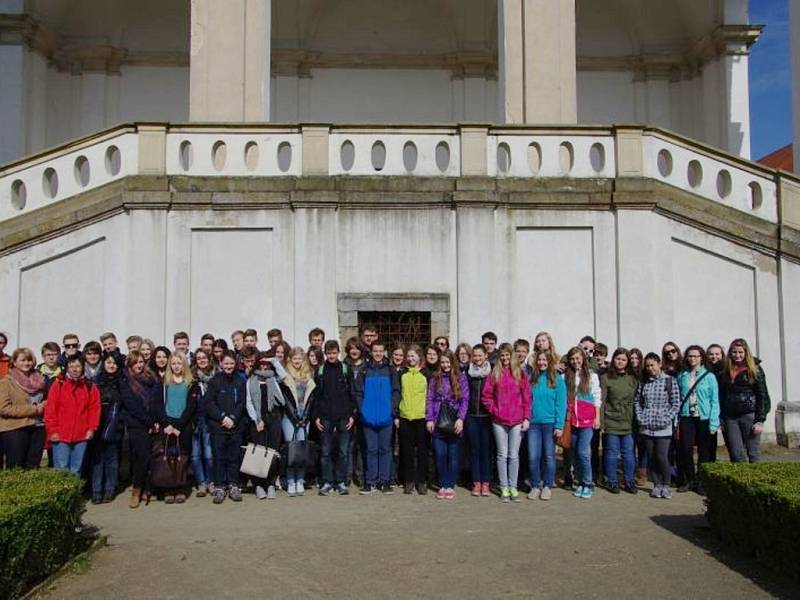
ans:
(257, 460)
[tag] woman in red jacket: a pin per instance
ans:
(507, 398)
(71, 416)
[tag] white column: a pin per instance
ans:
(230, 60)
(737, 101)
(510, 62)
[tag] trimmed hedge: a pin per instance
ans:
(39, 511)
(755, 508)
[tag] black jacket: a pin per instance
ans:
(476, 408)
(111, 425)
(182, 423)
(136, 411)
(226, 396)
(741, 396)
(333, 398)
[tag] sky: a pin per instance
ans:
(770, 81)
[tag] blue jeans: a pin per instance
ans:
(542, 445)
(613, 446)
(582, 452)
(334, 433)
(294, 475)
(447, 451)
(479, 432)
(379, 453)
(105, 461)
(202, 455)
(69, 456)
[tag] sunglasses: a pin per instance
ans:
(71, 345)
(264, 363)
(672, 351)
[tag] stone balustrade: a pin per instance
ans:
(267, 150)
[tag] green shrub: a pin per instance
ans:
(39, 511)
(755, 508)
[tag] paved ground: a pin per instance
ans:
(408, 546)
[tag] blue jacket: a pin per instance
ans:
(377, 392)
(549, 404)
(707, 392)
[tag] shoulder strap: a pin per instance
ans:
(697, 381)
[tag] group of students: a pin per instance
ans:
(651, 411)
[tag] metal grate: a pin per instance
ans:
(399, 327)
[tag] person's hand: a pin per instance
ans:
(40, 409)
(596, 424)
(557, 433)
(227, 423)
(318, 423)
(459, 427)
(430, 425)
(758, 428)
(168, 430)
(55, 438)
(89, 434)
(176, 432)
(350, 422)
(561, 368)
(712, 431)
(526, 424)
(397, 423)
(156, 427)
(259, 426)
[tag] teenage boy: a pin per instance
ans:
(49, 366)
(133, 342)
(180, 342)
(333, 412)
(207, 343)
(237, 339)
(72, 345)
(226, 409)
(247, 362)
(521, 350)
(250, 339)
(316, 338)
(368, 334)
(489, 341)
(442, 343)
(601, 358)
(111, 346)
(274, 338)
(377, 391)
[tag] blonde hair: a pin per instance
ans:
(25, 353)
(169, 378)
(304, 372)
(516, 372)
(551, 349)
(749, 361)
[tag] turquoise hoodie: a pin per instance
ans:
(549, 404)
(707, 393)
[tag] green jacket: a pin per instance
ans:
(619, 394)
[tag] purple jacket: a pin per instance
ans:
(436, 397)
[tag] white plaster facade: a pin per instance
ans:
(70, 68)
(794, 35)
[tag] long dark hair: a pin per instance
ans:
(584, 376)
(454, 373)
(612, 370)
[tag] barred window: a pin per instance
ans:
(399, 327)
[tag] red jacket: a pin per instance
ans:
(72, 409)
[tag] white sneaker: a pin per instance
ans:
(271, 495)
(260, 493)
(534, 493)
(292, 489)
(300, 488)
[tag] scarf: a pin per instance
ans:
(31, 383)
(141, 385)
(91, 372)
(274, 395)
(297, 374)
(480, 372)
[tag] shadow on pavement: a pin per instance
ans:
(695, 529)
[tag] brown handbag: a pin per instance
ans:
(565, 441)
(169, 466)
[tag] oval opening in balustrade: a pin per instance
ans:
(694, 173)
(410, 156)
(19, 194)
(251, 153)
(597, 157)
(724, 184)
(664, 161)
(442, 156)
(347, 155)
(82, 171)
(756, 195)
(378, 156)
(534, 157)
(284, 156)
(219, 155)
(503, 157)
(186, 155)
(566, 157)
(50, 182)
(113, 161)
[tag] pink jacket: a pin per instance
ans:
(507, 401)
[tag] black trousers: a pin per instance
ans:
(270, 437)
(23, 447)
(227, 451)
(414, 444)
(658, 451)
(692, 431)
(141, 446)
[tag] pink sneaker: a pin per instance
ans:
(441, 494)
(476, 489)
(449, 494)
(486, 489)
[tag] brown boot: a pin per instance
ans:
(641, 476)
(136, 498)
